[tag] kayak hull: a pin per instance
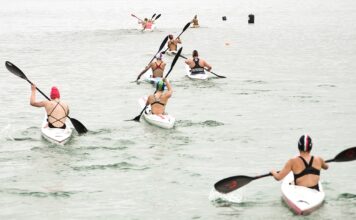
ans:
(171, 53)
(55, 135)
(301, 200)
(195, 76)
(147, 77)
(163, 121)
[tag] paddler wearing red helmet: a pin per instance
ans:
(306, 168)
(57, 110)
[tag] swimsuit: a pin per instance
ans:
(307, 170)
(56, 119)
(197, 69)
(157, 101)
(158, 66)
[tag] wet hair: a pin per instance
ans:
(305, 143)
(170, 36)
(160, 85)
(195, 53)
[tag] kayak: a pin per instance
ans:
(171, 52)
(148, 78)
(55, 135)
(195, 76)
(300, 199)
(163, 121)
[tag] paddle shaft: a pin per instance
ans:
(137, 118)
(39, 90)
(136, 17)
(160, 48)
(207, 69)
(184, 29)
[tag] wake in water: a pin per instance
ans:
(6, 133)
(207, 123)
(228, 199)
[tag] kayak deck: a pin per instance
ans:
(162, 121)
(301, 200)
(195, 76)
(55, 135)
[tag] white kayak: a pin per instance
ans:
(300, 199)
(195, 76)
(55, 135)
(162, 121)
(171, 52)
(148, 78)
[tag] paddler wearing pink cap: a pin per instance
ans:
(57, 110)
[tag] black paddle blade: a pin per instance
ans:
(15, 70)
(346, 155)
(232, 183)
(174, 61)
(186, 26)
(79, 127)
(163, 43)
(153, 16)
(159, 15)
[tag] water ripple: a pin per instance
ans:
(119, 166)
(207, 123)
(60, 194)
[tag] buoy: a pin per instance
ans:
(224, 18)
(251, 19)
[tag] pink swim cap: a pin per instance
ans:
(55, 93)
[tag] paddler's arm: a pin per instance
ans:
(169, 87)
(281, 174)
(178, 40)
(207, 65)
(187, 61)
(145, 70)
(33, 98)
(324, 165)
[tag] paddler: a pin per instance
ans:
(306, 168)
(196, 64)
(57, 111)
(157, 66)
(146, 23)
(173, 43)
(158, 101)
(195, 22)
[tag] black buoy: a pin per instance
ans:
(251, 19)
(224, 18)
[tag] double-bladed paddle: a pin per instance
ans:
(159, 15)
(81, 129)
(184, 29)
(152, 20)
(207, 70)
(137, 118)
(136, 17)
(159, 49)
(234, 182)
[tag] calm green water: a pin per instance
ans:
(292, 72)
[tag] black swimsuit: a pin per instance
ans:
(197, 69)
(56, 119)
(309, 169)
(157, 101)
